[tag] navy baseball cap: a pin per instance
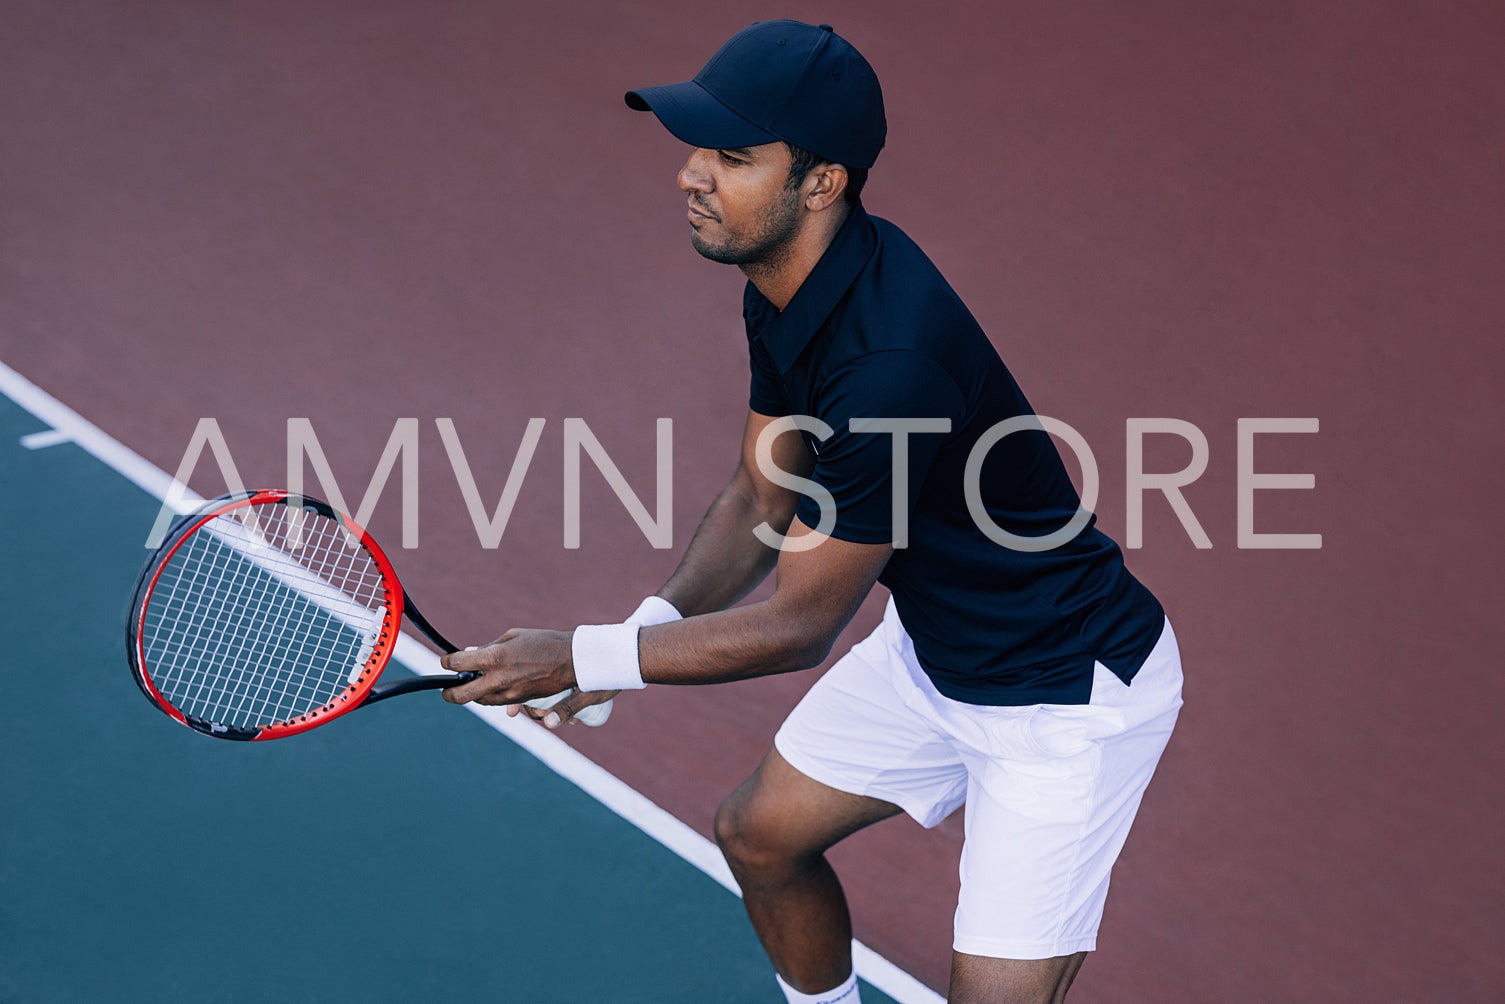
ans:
(778, 80)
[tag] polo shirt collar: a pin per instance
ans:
(786, 333)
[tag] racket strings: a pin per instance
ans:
(209, 618)
(289, 629)
(253, 625)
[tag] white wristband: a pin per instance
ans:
(606, 657)
(654, 610)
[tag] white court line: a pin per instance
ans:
(45, 438)
(554, 752)
(109, 451)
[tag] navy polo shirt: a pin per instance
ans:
(875, 331)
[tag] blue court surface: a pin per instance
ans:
(408, 852)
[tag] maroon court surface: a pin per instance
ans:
(360, 212)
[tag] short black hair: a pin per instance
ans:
(802, 162)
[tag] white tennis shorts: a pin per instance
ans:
(1050, 789)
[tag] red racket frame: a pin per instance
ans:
(362, 691)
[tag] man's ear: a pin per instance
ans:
(827, 185)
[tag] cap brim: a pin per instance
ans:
(689, 112)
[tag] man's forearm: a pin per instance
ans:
(752, 640)
(820, 587)
(725, 561)
(819, 590)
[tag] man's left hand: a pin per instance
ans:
(521, 665)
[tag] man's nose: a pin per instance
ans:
(693, 177)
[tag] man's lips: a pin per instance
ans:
(700, 214)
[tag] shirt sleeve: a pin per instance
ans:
(858, 468)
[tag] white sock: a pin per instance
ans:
(844, 994)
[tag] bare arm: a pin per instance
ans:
(817, 593)
(818, 590)
(724, 561)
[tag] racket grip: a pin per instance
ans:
(595, 715)
(408, 685)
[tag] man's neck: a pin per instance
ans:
(779, 278)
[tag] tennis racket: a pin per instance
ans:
(265, 614)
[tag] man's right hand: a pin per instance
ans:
(553, 713)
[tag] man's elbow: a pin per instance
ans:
(762, 501)
(805, 646)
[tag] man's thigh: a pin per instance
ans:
(978, 980)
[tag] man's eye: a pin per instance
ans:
(730, 159)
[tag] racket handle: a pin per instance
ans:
(407, 685)
(595, 715)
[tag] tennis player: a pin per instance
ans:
(1020, 670)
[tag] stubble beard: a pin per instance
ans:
(769, 242)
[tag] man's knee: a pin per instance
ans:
(767, 826)
(728, 824)
(747, 842)
(779, 819)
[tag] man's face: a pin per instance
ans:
(741, 210)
